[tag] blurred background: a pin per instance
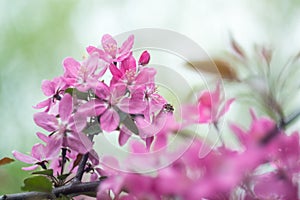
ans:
(36, 35)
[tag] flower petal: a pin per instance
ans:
(43, 137)
(48, 87)
(79, 142)
(24, 158)
(30, 168)
(65, 107)
(38, 152)
(127, 45)
(124, 135)
(109, 120)
(43, 104)
(46, 121)
(109, 45)
(71, 67)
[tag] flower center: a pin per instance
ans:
(130, 75)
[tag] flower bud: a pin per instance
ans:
(144, 58)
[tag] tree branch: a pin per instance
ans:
(81, 167)
(71, 189)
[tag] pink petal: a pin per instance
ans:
(102, 91)
(24, 158)
(206, 99)
(71, 67)
(226, 107)
(65, 107)
(46, 121)
(242, 136)
(124, 135)
(93, 108)
(30, 168)
(43, 137)
(53, 148)
(149, 141)
(145, 76)
(135, 104)
(79, 142)
(128, 64)
(115, 71)
(205, 115)
(48, 87)
(127, 45)
(43, 104)
(109, 45)
(109, 120)
(92, 62)
(92, 49)
(38, 152)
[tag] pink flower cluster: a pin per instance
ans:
(259, 170)
(80, 105)
(80, 99)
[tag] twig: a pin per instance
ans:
(82, 164)
(81, 167)
(71, 189)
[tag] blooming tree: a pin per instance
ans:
(81, 105)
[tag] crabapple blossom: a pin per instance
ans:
(88, 100)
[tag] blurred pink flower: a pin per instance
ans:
(210, 107)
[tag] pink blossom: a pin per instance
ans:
(40, 155)
(111, 53)
(155, 101)
(52, 89)
(210, 108)
(110, 100)
(68, 128)
(129, 74)
(83, 75)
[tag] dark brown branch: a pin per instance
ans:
(71, 189)
(28, 196)
(81, 167)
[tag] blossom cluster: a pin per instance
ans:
(81, 104)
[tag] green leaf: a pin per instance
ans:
(77, 93)
(6, 160)
(48, 172)
(92, 128)
(37, 183)
(63, 177)
(130, 124)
